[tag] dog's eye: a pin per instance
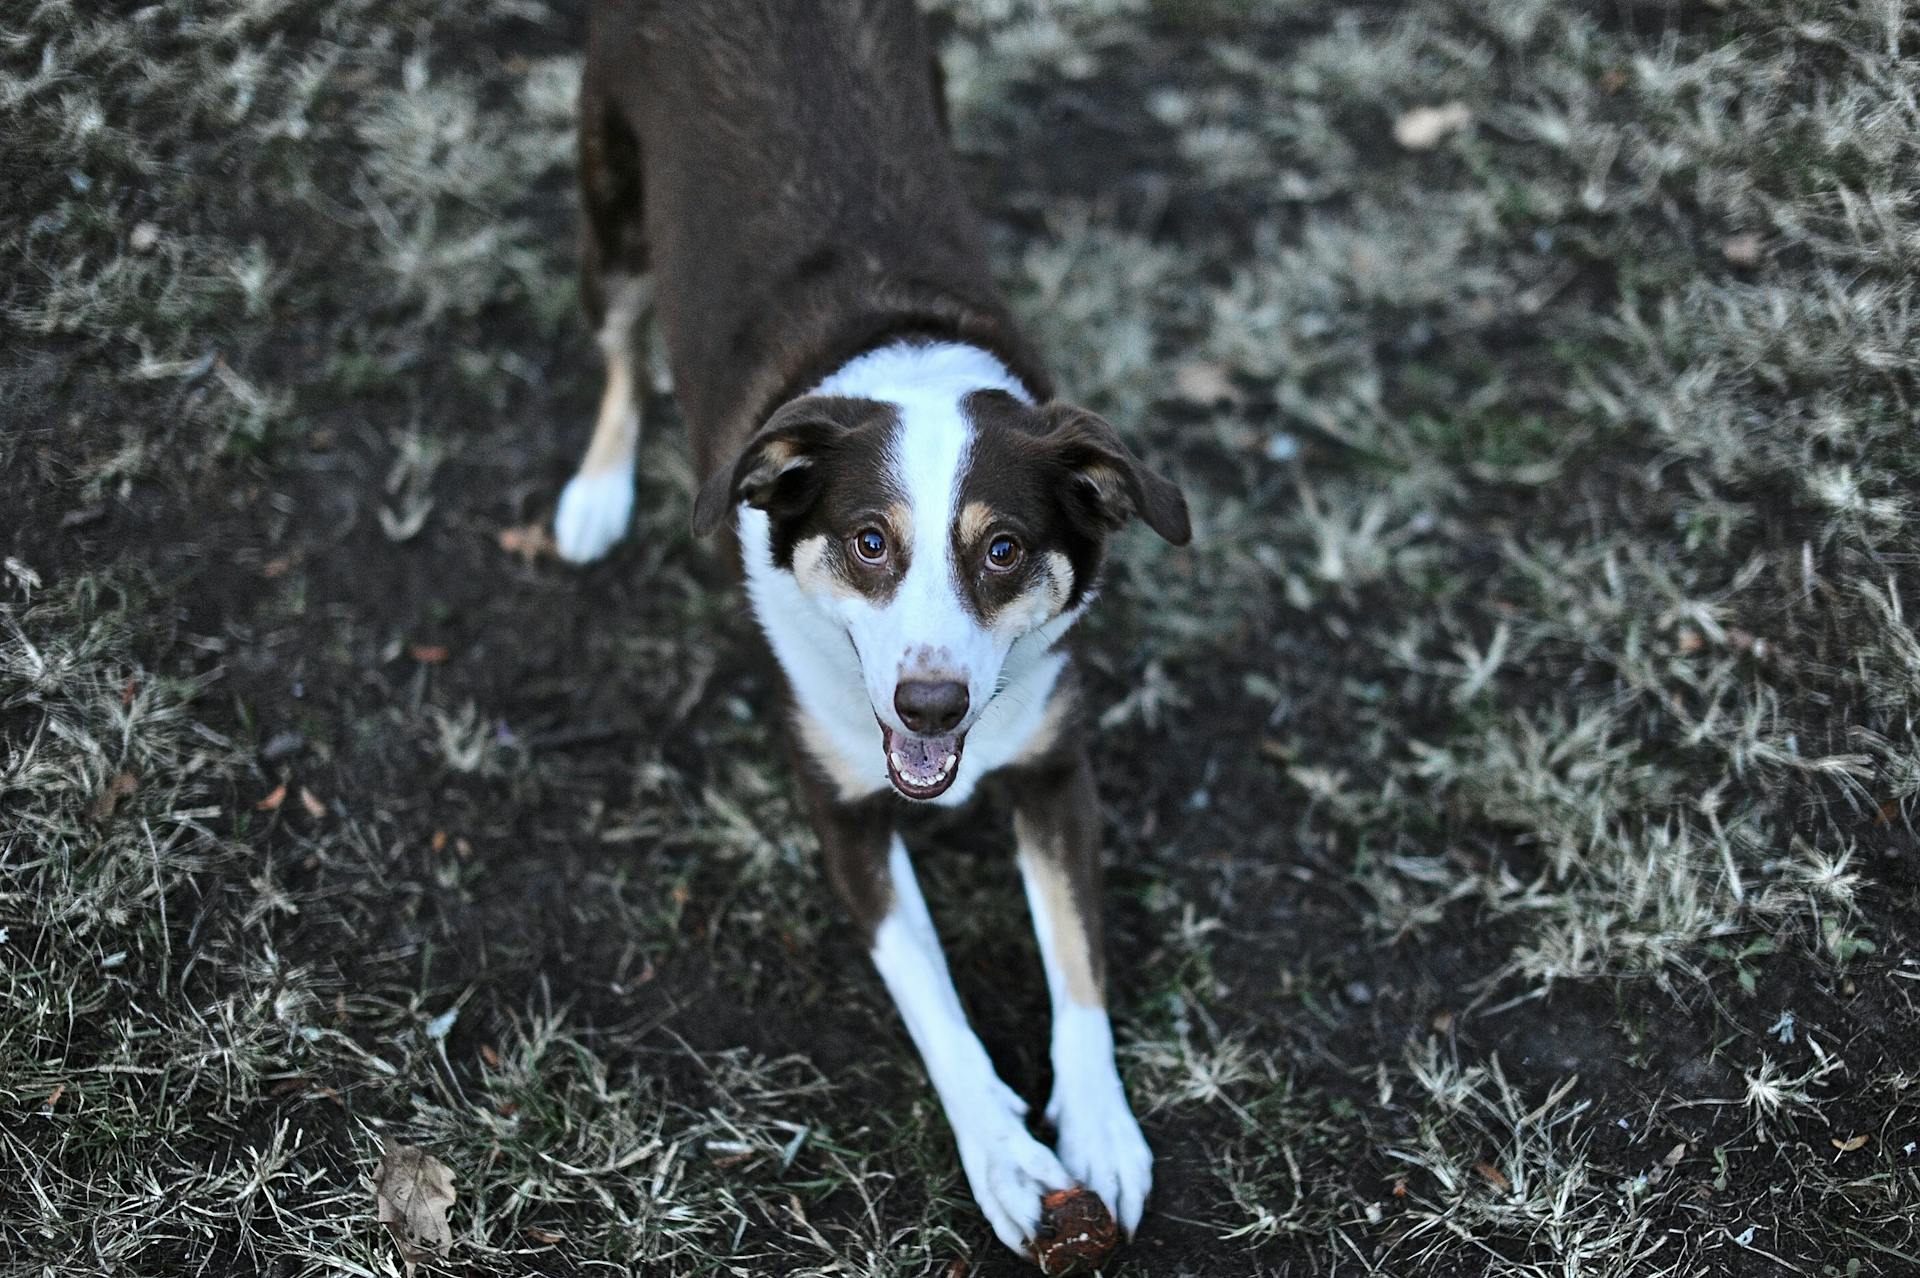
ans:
(870, 545)
(1003, 552)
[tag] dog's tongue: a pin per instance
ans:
(922, 762)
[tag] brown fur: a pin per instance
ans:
(798, 204)
(782, 172)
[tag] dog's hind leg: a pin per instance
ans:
(1056, 826)
(1007, 1169)
(597, 503)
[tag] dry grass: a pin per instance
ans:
(1513, 786)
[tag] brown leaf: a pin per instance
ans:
(429, 654)
(1422, 128)
(529, 541)
(1443, 1022)
(439, 841)
(491, 1057)
(53, 1097)
(546, 1236)
(1851, 1143)
(273, 801)
(117, 788)
(1675, 1154)
(412, 1192)
(1493, 1176)
(1743, 250)
(311, 802)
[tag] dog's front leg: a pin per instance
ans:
(1007, 1169)
(1057, 827)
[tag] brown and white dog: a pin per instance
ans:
(919, 524)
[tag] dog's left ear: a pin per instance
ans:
(1110, 484)
(778, 469)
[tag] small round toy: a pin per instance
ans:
(1075, 1233)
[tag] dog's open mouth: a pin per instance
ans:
(922, 767)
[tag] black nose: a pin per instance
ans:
(930, 708)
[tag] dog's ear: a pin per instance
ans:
(778, 470)
(1107, 483)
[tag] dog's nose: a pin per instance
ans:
(930, 708)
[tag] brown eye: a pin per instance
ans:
(870, 546)
(1003, 553)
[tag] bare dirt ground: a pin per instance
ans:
(1511, 792)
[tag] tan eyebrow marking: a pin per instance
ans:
(900, 518)
(974, 521)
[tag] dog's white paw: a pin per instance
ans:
(1007, 1169)
(593, 514)
(1101, 1145)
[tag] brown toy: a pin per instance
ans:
(1075, 1234)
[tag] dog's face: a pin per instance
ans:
(939, 533)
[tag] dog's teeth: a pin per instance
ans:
(899, 764)
(946, 765)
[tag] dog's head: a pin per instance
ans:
(938, 533)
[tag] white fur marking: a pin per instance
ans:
(593, 514)
(1100, 1140)
(1007, 1169)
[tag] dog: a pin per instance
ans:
(918, 522)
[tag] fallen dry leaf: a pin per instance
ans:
(529, 541)
(1851, 1143)
(311, 802)
(1422, 128)
(491, 1057)
(273, 801)
(53, 1097)
(1493, 1176)
(412, 1192)
(117, 788)
(439, 841)
(546, 1236)
(429, 654)
(1743, 249)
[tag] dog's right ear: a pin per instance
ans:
(779, 469)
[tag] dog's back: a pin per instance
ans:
(799, 201)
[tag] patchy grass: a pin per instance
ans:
(1512, 789)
